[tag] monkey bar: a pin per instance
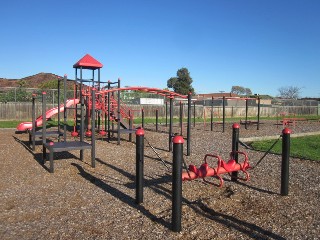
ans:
(162, 92)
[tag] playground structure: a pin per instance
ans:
(94, 107)
(99, 103)
(33, 134)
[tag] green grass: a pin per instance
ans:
(9, 124)
(307, 147)
(15, 123)
(162, 120)
(228, 119)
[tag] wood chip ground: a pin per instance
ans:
(80, 202)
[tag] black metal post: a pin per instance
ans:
(59, 85)
(98, 120)
(34, 123)
(177, 183)
(82, 115)
(157, 118)
(194, 114)
(64, 105)
(245, 123)
(105, 112)
(114, 118)
(93, 131)
(166, 114)
(235, 148)
(99, 79)
(119, 113)
(258, 123)
(181, 118)
(130, 125)
(44, 124)
(109, 111)
(223, 113)
(139, 165)
(211, 118)
(142, 118)
(189, 126)
(171, 124)
(285, 161)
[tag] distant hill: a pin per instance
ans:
(34, 81)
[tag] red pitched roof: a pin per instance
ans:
(88, 62)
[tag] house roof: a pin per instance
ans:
(215, 95)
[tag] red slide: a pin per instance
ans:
(28, 125)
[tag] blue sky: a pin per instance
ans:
(258, 44)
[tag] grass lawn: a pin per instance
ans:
(10, 124)
(14, 123)
(307, 147)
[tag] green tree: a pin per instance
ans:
(52, 84)
(248, 91)
(238, 90)
(241, 90)
(182, 83)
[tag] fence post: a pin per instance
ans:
(285, 161)
(171, 124)
(194, 114)
(142, 118)
(157, 119)
(211, 117)
(181, 117)
(189, 126)
(223, 112)
(139, 164)
(166, 113)
(258, 124)
(177, 183)
(130, 125)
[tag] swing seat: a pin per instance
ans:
(229, 166)
(201, 171)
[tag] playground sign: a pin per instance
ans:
(151, 101)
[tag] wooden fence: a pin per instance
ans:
(23, 111)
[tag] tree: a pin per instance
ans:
(248, 91)
(52, 84)
(241, 90)
(182, 83)
(290, 92)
